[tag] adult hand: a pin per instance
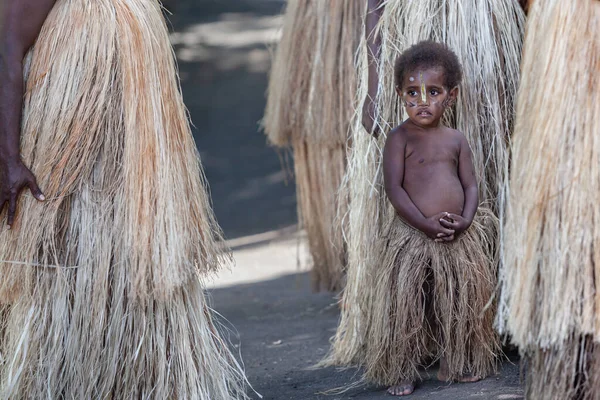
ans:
(14, 177)
(455, 222)
(435, 230)
(368, 117)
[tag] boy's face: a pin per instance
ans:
(425, 96)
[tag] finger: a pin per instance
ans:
(446, 224)
(448, 238)
(2, 204)
(36, 191)
(454, 216)
(445, 232)
(12, 209)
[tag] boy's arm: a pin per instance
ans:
(20, 24)
(466, 174)
(393, 175)
(374, 11)
(468, 180)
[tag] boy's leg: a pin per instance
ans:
(464, 285)
(398, 341)
(436, 333)
(407, 386)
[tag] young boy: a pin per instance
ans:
(435, 274)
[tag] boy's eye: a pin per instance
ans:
(411, 93)
(434, 92)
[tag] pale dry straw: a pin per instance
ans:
(309, 108)
(101, 285)
(550, 296)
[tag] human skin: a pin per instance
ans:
(20, 25)
(374, 12)
(428, 169)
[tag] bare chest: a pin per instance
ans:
(427, 152)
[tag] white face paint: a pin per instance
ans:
(425, 97)
(423, 89)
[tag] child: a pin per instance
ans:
(435, 274)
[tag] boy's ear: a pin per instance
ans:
(452, 96)
(398, 90)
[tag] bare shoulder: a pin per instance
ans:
(457, 135)
(397, 136)
(451, 132)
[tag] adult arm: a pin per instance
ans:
(525, 4)
(374, 12)
(20, 24)
(393, 175)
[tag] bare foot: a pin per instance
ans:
(444, 375)
(403, 389)
(468, 378)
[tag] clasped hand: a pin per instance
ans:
(445, 226)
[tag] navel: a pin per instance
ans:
(421, 161)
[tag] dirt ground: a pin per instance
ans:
(281, 329)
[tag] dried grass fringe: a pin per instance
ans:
(428, 300)
(312, 83)
(553, 224)
(487, 38)
(551, 257)
(317, 208)
(310, 106)
(570, 370)
(100, 293)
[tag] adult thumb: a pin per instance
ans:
(36, 191)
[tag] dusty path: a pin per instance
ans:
(282, 326)
(223, 61)
(284, 329)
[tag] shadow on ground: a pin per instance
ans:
(284, 329)
(223, 51)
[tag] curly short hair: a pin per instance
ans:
(428, 54)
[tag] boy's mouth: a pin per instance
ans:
(423, 113)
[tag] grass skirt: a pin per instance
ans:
(551, 275)
(319, 170)
(570, 370)
(309, 107)
(429, 300)
(101, 293)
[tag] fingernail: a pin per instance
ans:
(42, 197)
